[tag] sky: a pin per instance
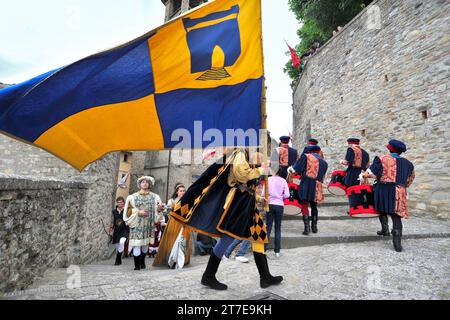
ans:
(38, 36)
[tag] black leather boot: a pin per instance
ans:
(397, 239)
(142, 260)
(266, 279)
(307, 227)
(314, 224)
(137, 262)
(384, 226)
(209, 276)
(118, 259)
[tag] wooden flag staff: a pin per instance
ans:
(264, 135)
(264, 139)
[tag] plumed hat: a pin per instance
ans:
(149, 179)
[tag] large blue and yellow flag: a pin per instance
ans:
(206, 65)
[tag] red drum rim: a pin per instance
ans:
(364, 215)
(361, 212)
(342, 173)
(292, 203)
(359, 187)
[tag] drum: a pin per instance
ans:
(361, 201)
(336, 185)
(292, 205)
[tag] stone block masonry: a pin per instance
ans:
(385, 75)
(50, 214)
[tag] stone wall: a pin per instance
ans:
(137, 169)
(41, 226)
(50, 214)
(185, 166)
(385, 75)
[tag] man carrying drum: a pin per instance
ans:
(314, 142)
(286, 156)
(357, 160)
(393, 174)
(312, 169)
(304, 204)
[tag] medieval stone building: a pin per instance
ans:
(385, 76)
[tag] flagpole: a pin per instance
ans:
(264, 116)
(265, 138)
(168, 175)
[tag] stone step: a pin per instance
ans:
(325, 213)
(336, 229)
(307, 241)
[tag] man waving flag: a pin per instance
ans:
(205, 65)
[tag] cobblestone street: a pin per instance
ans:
(366, 270)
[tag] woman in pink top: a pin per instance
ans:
(278, 191)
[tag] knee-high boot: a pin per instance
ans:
(307, 227)
(266, 279)
(142, 260)
(209, 276)
(314, 223)
(397, 239)
(137, 262)
(384, 225)
(118, 259)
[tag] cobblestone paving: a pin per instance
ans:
(368, 270)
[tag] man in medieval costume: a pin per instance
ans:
(286, 156)
(120, 230)
(393, 175)
(357, 160)
(314, 142)
(312, 169)
(222, 203)
(142, 211)
(305, 204)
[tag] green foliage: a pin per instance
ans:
(292, 72)
(318, 19)
(308, 33)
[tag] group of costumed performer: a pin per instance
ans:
(222, 203)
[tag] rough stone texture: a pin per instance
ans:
(375, 84)
(368, 270)
(185, 166)
(137, 169)
(35, 184)
(41, 225)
